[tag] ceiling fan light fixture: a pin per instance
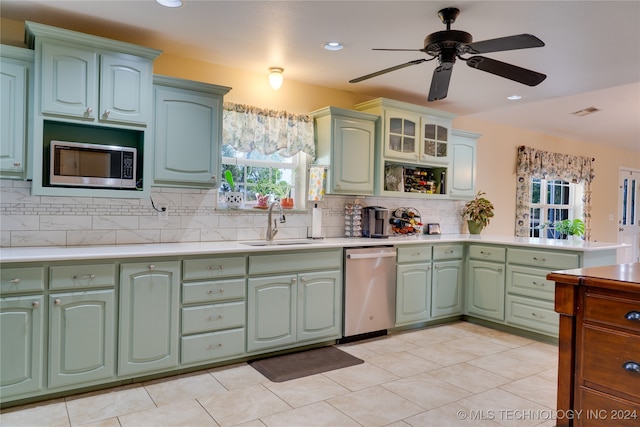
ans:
(169, 3)
(333, 46)
(275, 77)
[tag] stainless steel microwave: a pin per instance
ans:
(92, 165)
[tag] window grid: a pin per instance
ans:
(551, 201)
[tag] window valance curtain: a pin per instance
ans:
(248, 128)
(534, 163)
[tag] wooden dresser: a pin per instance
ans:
(599, 345)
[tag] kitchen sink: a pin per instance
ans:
(280, 242)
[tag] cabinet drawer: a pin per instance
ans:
(605, 410)
(620, 312)
(611, 359)
(550, 260)
(538, 316)
(21, 279)
(530, 282)
(447, 252)
(487, 253)
(82, 276)
(213, 346)
(294, 262)
(212, 317)
(213, 291)
(213, 268)
(414, 253)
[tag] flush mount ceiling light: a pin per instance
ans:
(333, 46)
(514, 97)
(275, 77)
(169, 3)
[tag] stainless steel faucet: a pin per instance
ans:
(272, 231)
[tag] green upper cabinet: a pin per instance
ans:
(187, 129)
(463, 164)
(346, 142)
(16, 92)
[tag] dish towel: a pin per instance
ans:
(317, 177)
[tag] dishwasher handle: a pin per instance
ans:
(371, 256)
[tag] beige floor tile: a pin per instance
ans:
(442, 354)
(360, 376)
(243, 405)
(389, 344)
(167, 391)
(426, 391)
(185, 413)
(109, 422)
(52, 413)
(506, 366)
(478, 346)
(100, 405)
(307, 390)
(506, 408)
(550, 374)
(536, 389)
(358, 350)
(403, 364)
(504, 338)
(469, 377)
(398, 424)
(451, 415)
(319, 414)
(540, 354)
(253, 423)
(237, 376)
(375, 406)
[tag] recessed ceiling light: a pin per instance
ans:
(169, 3)
(514, 97)
(333, 46)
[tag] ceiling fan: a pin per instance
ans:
(450, 44)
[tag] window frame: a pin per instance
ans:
(574, 206)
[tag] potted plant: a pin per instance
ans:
(478, 213)
(232, 197)
(570, 227)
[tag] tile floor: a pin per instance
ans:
(458, 374)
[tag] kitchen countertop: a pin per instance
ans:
(71, 253)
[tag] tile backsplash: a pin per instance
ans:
(192, 216)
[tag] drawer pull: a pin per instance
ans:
(220, 291)
(415, 254)
(539, 284)
(13, 281)
(211, 346)
(449, 252)
(539, 316)
(634, 316)
(215, 267)
(632, 367)
(86, 276)
(485, 253)
(218, 317)
(152, 267)
(535, 258)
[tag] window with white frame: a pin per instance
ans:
(552, 201)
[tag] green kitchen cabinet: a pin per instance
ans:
(462, 180)
(345, 142)
(319, 311)
(187, 129)
(21, 346)
(149, 317)
(485, 289)
(81, 337)
(447, 280)
(413, 284)
(16, 103)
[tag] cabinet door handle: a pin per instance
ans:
(13, 281)
(634, 316)
(35, 304)
(500, 269)
(632, 367)
(86, 276)
(152, 266)
(17, 164)
(294, 281)
(57, 301)
(107, 112)
(89, 110)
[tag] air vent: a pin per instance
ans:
(585, 111)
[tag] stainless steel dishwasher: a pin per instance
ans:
(369, 290)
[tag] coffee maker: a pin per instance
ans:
(375, 220)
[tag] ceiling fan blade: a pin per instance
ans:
(440, 81)
(388, 70)
(402, 50)
(520, 41)
(508, 71)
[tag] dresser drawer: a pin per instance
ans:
(611, 359)
(82, 276)
(213, 268)
(217, 290)
(414, 253)
(447, 252)
(212, 347)
(538, 316)
(620, 312)
(21, 279)
(530, 282)
(487, 253)
(603, 410)
(212, 317)
(546, 259)
(295, 262)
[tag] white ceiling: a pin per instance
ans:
(591, 57)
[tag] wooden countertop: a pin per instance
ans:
(620, 276)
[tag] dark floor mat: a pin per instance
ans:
(304, 363)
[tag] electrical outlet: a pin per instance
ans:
(163, 212)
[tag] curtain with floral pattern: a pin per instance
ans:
(534, 163)
(248, 128)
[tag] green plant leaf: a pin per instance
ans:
(229, 177)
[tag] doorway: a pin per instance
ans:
(628, 213)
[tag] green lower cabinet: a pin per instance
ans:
(149, 317)
(21, 346)
(486, 289)
(413, 293)
(446, 295)
(81, 337)
(319, 305)
(271, 308)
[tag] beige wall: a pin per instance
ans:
(496, 149)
